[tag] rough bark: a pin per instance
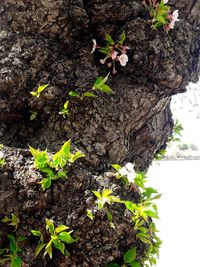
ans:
(49, 41)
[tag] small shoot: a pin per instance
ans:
(39, 90)
(2, 160)
(13, 221)
(58, 237)
(105, 198)
(54, 167)
(33, 115)
(90, 214)
(100, 84)
(65, 111)
(113, 51)
(82, 96)
(11, 255)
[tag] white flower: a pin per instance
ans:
(165, 1)
(1, 155)
(123, 59)
(174, 18)
(103, 60)
(94, 45)
(128, 171)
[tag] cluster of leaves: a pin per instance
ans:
(13, 220)
(113, 51)
(100, 84)
(11, 255)
(54, 166)
(140, 212)
(54, 237)
(161, 14)
(129, 259)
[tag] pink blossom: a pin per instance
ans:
(114, 54)
(94, 45)
(123, 59)
(165, 1)
(174, 18)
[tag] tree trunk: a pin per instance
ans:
(50, 42)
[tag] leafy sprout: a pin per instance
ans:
(65, 111)
(58, 237)
(11, 254)
(39, 90)
(54, 167)
(13, 221)
(100, 84)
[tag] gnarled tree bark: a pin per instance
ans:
(49, 41)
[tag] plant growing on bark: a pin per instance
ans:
(113, 51)
(128, 259)
(11, 255)
(54, 166)
(13, 221)
(100, 84)
(54, 237)
(82, 96)
(39, 90)
(65, 111)
(161, 14)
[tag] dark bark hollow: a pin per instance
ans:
(49, 41)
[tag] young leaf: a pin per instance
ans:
(33, 115)
(122, 38)
(50, 226)
(74, 94)
(39, 248)
(36, 233)
(105, 88)
(135, 264)
(16, 261)
(48, 249)
(61, 228)
(66, 237)
(109, 39)
(13, 245)
(77, 155)
(88, 94)
(90, 215)
(130, 255)
(117, 167)
(45, 183)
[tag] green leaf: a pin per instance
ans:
(135, 264)
(74, 94)
(117, 167)
(61, 228)
(106, 193)
(66, 237)
(109, 39)
(33, 115)
(90, 215)
(130, 206)
(39, 248)
(21, 238)
(12, 245)
(97, 194)
(16, 262)
(6, 219)
(104, 50)
(152, 214)
(77, 155)
(161, 19)
(66, 104)
(45, 183)
(48, 249)
(36, 233)
(50, 226)
(42, 87)
(130, 255)
(88, 94)
(105, 88)
(122, 38)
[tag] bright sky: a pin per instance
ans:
(186, 108)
